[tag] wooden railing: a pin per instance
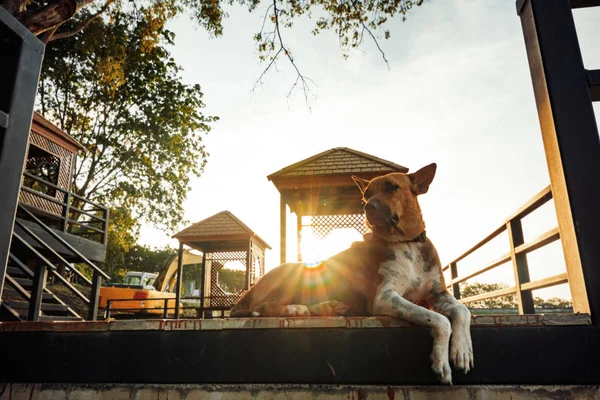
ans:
(73, 214)
(517, 255)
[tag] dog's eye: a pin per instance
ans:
(391, 187)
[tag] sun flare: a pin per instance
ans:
(315, 249)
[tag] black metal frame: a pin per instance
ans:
(21, 55)
(144, 312)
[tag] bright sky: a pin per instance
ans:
(458, 92)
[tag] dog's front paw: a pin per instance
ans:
(461, 351)
(441, 367)
(295, 310)
(329, 308)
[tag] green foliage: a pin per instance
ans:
(468, 290)
(123, 231)
(350, 20)
(232, 280)
(115, 88)
(475, 288)
(148, 259)
(552, 302)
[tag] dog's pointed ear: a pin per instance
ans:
(421, 179)
(361, 183)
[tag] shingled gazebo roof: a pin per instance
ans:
(338, 161)
(220, 232)
(322, 184)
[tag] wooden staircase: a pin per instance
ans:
(25, 296)
(16, 298)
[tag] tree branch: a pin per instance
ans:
(300, 79)
(365, 27)
(82, 25)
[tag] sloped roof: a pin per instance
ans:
(222, 224)
(339, 160)
(55, 131)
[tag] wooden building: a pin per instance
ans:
(46, 191)
(51, 158)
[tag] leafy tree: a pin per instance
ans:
(509, 301)
(552, 303)
(351, 20)
(123, 232)
(147, 259)
(123, 99)
(475, 288)
(232, 280)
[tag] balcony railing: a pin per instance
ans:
(63, 209)
(517, 255)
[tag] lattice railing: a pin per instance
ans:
(322, 225)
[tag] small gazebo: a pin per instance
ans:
(321, 187)
(223, 240)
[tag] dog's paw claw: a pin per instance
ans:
(461, 353)
(296, 310)
(442, 369)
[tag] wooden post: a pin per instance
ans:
(94, 296)
(249, 264)
(299, 232)
(203, 283)
(179, 279)
(282, 230)
(454, 275)
(39, 282)
(65, 222)
(571, 142)
(520, 267)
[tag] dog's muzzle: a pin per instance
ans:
(379, 214)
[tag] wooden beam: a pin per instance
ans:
(179, 279)
(571, 142)
(520, 267)
(282, 230)
(299, 234)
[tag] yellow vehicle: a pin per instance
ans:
(148, 291)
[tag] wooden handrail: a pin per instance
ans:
(517, 253)
(52, 251)
(533, 204)
(68, 208)
(499, 261)
(64, 242)
(485, 240)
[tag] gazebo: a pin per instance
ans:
(321, 187)
(223, 240)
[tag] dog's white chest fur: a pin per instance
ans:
(408, 270)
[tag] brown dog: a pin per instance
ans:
(395, 268)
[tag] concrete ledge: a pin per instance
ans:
(302, 392)
(535, 320)
(511, 355)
